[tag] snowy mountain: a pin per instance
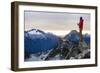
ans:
(38, 41)
(43, 46)
(75, 37)
(86, 38)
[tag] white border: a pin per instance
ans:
(23, 64)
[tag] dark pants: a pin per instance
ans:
(81, 37)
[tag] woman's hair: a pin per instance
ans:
(80, 18)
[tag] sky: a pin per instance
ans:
(55, 21)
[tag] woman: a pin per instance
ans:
(80, 24)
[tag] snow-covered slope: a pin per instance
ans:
(37, 41)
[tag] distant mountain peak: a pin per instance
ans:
(72, 36)
(36, 31)
(74, 32)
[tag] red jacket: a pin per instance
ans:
(81, 24)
